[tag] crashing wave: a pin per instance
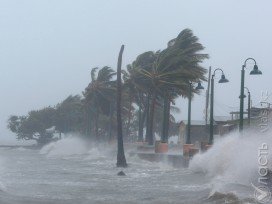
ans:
(234, 160)
(65, 147)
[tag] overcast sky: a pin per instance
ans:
(48, 47)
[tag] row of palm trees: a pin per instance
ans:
(153, 81)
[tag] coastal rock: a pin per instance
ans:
(121, 173)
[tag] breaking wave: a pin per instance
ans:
(232, 163)
(65, 147)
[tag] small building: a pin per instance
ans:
(222, 124)
(226, 124)
(258, 112)
(199, 131)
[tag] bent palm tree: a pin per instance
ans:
(99, 93)
(121, 159)
(171, 71)
(135, 95)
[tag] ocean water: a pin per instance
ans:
(68, 171)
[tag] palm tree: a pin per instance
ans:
(135, 95)
(121, 159)
(138, 91)
(142, 116)
(171, 71)
(69, 114)
(144, 61)
(99, 94)
(189, 59)
(160, 119)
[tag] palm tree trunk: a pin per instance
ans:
(96, 125)
(121, 159)
(129, 118)
(142, 116)
(166, 117)
(92, 124)
(140, 130)
(86, 122)
(151, 120)
(147, 117)
(89, 125)
(110, 123)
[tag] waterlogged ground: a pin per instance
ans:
(68, 172)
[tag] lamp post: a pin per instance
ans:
(188, 135)
(222, 80)
(255, 71)
(248, 104)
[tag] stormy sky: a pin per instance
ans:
(48, 47)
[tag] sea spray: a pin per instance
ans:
(2, 168)
(233, 158)
(75, 145)
(65, 147)
(232, 162)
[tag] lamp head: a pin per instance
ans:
(255, 71)
(199, 86)
(223, 79)
(243, 97)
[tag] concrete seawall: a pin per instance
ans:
(175, 160)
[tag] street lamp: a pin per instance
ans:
(255, 71)
(248, 104)
(198, 87)
(222, 80)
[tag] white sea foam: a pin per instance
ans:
(21, 149)
(233, 159)
(65, 147)
(94, 153)
(2, 165)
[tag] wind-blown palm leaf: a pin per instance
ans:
(171, 69)
(93, 72)
(101, 91)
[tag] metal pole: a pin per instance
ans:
(248, 108)
(241, 122)
(207, 97)
(188, 139)
(211, 112)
